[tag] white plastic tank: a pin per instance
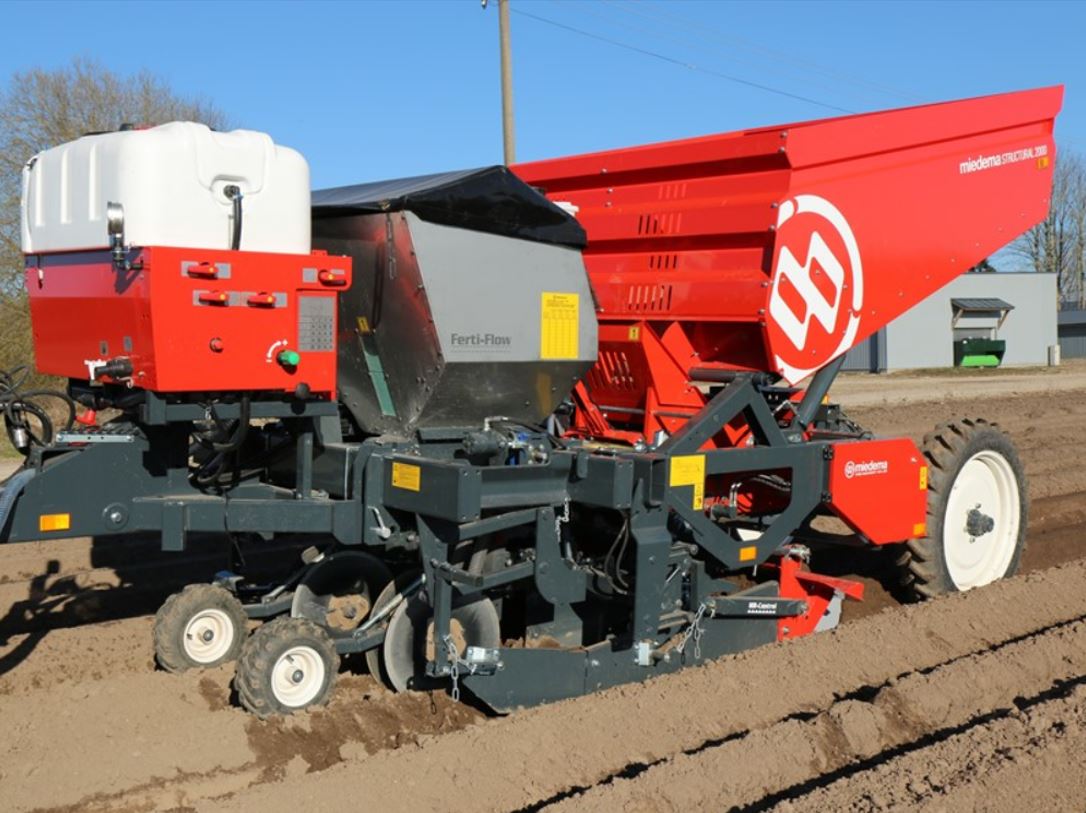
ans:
(171, 181)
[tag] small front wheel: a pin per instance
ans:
(202, 626)
(287, 665)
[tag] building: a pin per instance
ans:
(1072, 328)
(1019, 308)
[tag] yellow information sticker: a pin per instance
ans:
(406, 476)
(558, 329)
(923, 478)
(689, 470)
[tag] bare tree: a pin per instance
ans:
(1058, 243)
(42, 108)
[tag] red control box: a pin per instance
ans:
(189, 320)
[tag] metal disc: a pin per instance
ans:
(338, 592)
(405, 648)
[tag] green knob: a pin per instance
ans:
(288, 358)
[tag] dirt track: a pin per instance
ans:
(966, 703)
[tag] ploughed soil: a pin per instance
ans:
(972, 702)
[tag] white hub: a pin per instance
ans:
(297, 676)
(983, 515)
(209, 636)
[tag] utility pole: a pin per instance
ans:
(508, 132)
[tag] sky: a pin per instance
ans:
(388, 88)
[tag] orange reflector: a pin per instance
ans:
(920, 529)
(54, 522)
(748, 554)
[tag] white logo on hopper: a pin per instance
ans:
(824, 287)
(865, 468)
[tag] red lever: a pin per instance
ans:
(214, 297)
(262, 300)
(203, 270)
(327, 277)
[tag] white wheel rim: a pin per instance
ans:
(297, 676)
(986, 482)
(208, 636)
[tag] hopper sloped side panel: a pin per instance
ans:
(879, 217)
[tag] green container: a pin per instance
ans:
(979, 352)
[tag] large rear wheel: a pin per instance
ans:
(977, 511)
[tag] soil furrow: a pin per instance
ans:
(1036, 750)
(755, 771)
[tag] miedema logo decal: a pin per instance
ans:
(865, 468)
(817, 286)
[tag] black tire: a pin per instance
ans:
(283, 648)
(930, 566)
(186, 617)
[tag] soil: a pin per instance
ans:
(972, 702)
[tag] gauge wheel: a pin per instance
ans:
(199, 627)
(977, 511)
(287, 665)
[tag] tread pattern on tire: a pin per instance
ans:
(173, 616)
(264, 647)
(921, 565)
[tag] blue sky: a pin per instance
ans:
(385, 88)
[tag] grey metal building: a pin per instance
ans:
(1072, 327)
(1019, 308)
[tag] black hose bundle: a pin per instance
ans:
(222, 440)
(20, 406)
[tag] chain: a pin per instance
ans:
(561, 519)
(694, 631)
(454, 671)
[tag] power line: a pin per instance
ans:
(673, 61)
(709, 34)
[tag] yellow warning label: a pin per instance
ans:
(406, 476)
(923, 478)
(748, 554)
(635, 333)
(363, 325)
(558, 326)
(689, 470)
